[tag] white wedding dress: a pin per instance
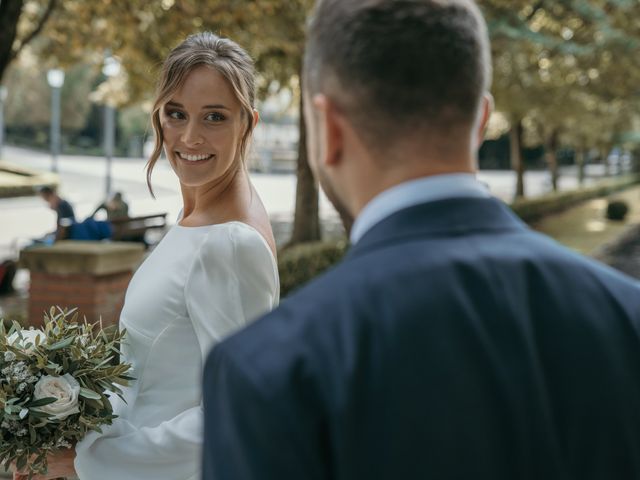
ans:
(196, 287)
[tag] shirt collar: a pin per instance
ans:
(415, 192)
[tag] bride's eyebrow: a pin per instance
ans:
(205, 107)
(218, 106)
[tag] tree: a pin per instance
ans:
(552, 59)
(20, 23)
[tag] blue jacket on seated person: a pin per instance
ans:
(90, 229)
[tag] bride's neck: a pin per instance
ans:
(221, 201)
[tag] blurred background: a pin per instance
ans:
(77, 80)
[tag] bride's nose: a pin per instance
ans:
(191, 135)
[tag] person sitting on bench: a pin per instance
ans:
(115, 207)
(64, 211)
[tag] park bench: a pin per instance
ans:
(133, 229)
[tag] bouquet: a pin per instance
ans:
(55, 384)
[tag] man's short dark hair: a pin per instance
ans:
(393, 65)
(46, 191)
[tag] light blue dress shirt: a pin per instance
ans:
(415, 192)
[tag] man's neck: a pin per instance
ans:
(379, 182)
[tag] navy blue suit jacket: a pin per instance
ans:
(451, 343)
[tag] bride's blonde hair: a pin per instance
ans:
(223, 54)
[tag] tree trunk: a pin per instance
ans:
(604, 156)
(306, 221)
(517, 162)
(10, 11)
(551, 157)
(635, 161)
(9, 15)
(580, 162)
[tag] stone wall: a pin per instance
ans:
(90, 276)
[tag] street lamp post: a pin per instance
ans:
(111, 68)
(109, 140)
(55, 77)
(3, 97)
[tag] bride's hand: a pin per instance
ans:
(59, 465)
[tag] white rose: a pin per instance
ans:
(28, 336)
(65, 389)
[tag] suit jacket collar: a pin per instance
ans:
(456, 216)
(414, 192)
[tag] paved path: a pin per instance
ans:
(585, 227)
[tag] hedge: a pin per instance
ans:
(300, 263)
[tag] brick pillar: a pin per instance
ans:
(90, 276)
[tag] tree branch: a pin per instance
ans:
(50, 7)
(535, 9)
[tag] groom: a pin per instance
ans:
(452, 342)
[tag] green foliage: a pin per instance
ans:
(300, 263)
(79, 356)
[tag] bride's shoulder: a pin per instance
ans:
(238, 241)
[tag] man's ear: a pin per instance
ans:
(486, 108)
(331, 123)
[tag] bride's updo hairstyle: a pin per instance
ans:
(208, 49)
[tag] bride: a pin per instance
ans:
(212, 273)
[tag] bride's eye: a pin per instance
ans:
(175, 114)
(215, 117)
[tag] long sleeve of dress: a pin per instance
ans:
(232, 280)
(246, 287)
